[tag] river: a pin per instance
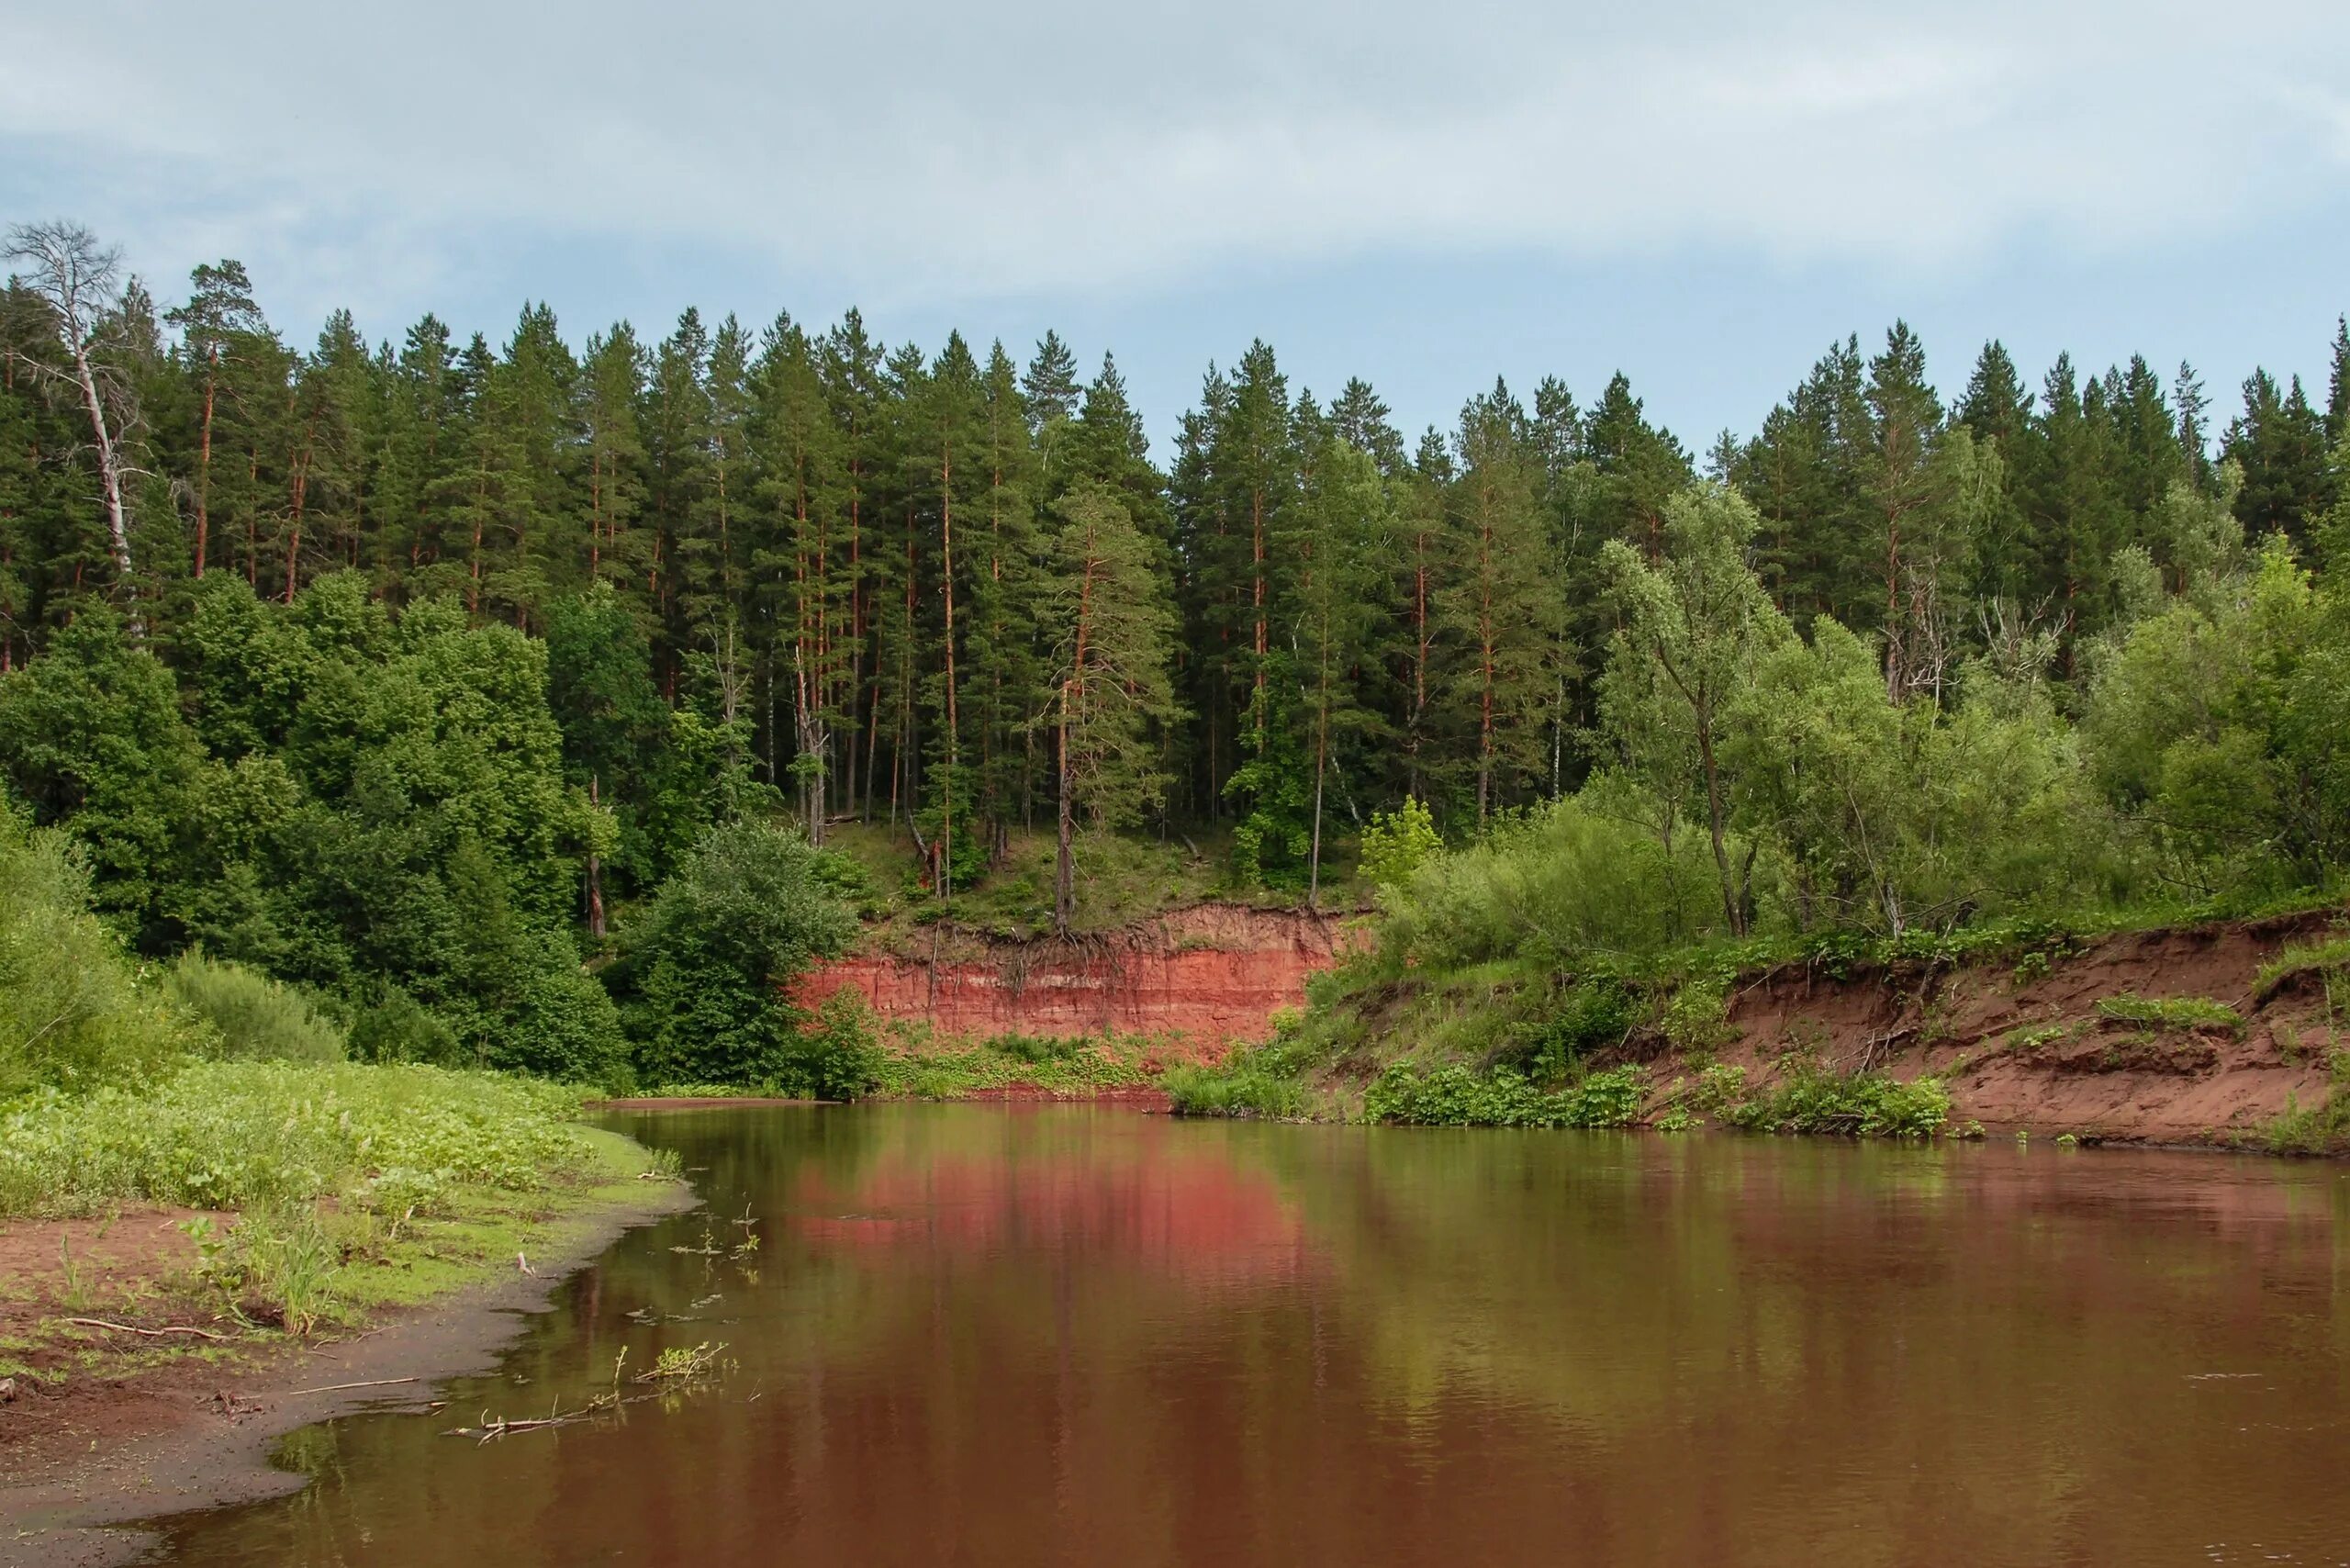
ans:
(1073, 1335)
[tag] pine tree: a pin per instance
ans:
(1502, 611)
(1110, 630)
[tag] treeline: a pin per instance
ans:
(951, 589)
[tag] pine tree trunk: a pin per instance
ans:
(954, 732)
(203, 462)
(1064, 855)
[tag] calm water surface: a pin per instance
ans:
(988, 1335)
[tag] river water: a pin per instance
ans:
(1016, 1335)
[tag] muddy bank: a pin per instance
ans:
(191, 1434)
(2025, 1043)
(1212, 973)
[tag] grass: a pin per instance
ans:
(2326, 963)
(915, 1067)
(1811, 1098)
(1249, 1089)
(2171, 1011)
(346, 1187)
(1121, 879)
(2322, 1128)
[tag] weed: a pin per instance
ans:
(1811, 1098)
(2327, 964)
(1697, 1017)
(2171, 1013)
(1452, 1096)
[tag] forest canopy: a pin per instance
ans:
(406, 670)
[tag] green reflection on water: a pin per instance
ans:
(1019, 1334)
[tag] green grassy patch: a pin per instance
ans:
(2327, 964)
(921, 1068)
(349, 1187)
(1811, 1098)
(2322, 1128)
(2171, 1011)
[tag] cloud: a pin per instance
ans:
(936, 153)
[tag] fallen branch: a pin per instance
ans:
(339, 1387)
(151, 1333)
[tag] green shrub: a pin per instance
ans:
(1696, 1018)
(1450, 1095)
(395, 1027)
(73, 1014)
(1397, 842)
(714, 959)
(256, 1018)
(1811, 1098)
(1596, 1014)
(1249, 1089)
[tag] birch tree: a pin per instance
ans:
(81, 281)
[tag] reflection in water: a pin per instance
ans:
(1004, 1335)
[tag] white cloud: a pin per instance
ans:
(930, 152)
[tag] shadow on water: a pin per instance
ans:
(1028, 1334)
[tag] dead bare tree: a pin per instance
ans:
(81, 281)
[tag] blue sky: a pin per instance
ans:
(1703, 195)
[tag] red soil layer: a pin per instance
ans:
(1974, 1026)
(1215, 974)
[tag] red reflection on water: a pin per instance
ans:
(1170, 1211)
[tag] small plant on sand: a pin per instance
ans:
(2325, 965)
(1813, 1098)
(2171, 1011)
(1696, 1018)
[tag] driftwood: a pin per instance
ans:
(339, 1387)
(149, 1333)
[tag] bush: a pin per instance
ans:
(1814, 1099)
(395, 1027)
(72, 1015)
(714, 957)
(255, 1017)
(1235, 1090)
(1596, 1014)
(1561, 882)
(1452, 1096)
(1397, 842)
(1696, 1019)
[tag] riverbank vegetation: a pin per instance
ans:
(508, 700)
(311, 1189)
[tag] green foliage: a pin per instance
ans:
(2171, 1013)
(256, 1018)
(1396, 843)
(1695, 1018)
(713, 958)
(246, 1134)
(921, 1068)
(1244, 1090)
(2322, 1128)
(1559, 884)
(1596, 1014)
(73, 1014)
(1450, 1095)
(2327, 963)
(1811, 1098)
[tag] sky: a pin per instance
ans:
(1703, 195)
